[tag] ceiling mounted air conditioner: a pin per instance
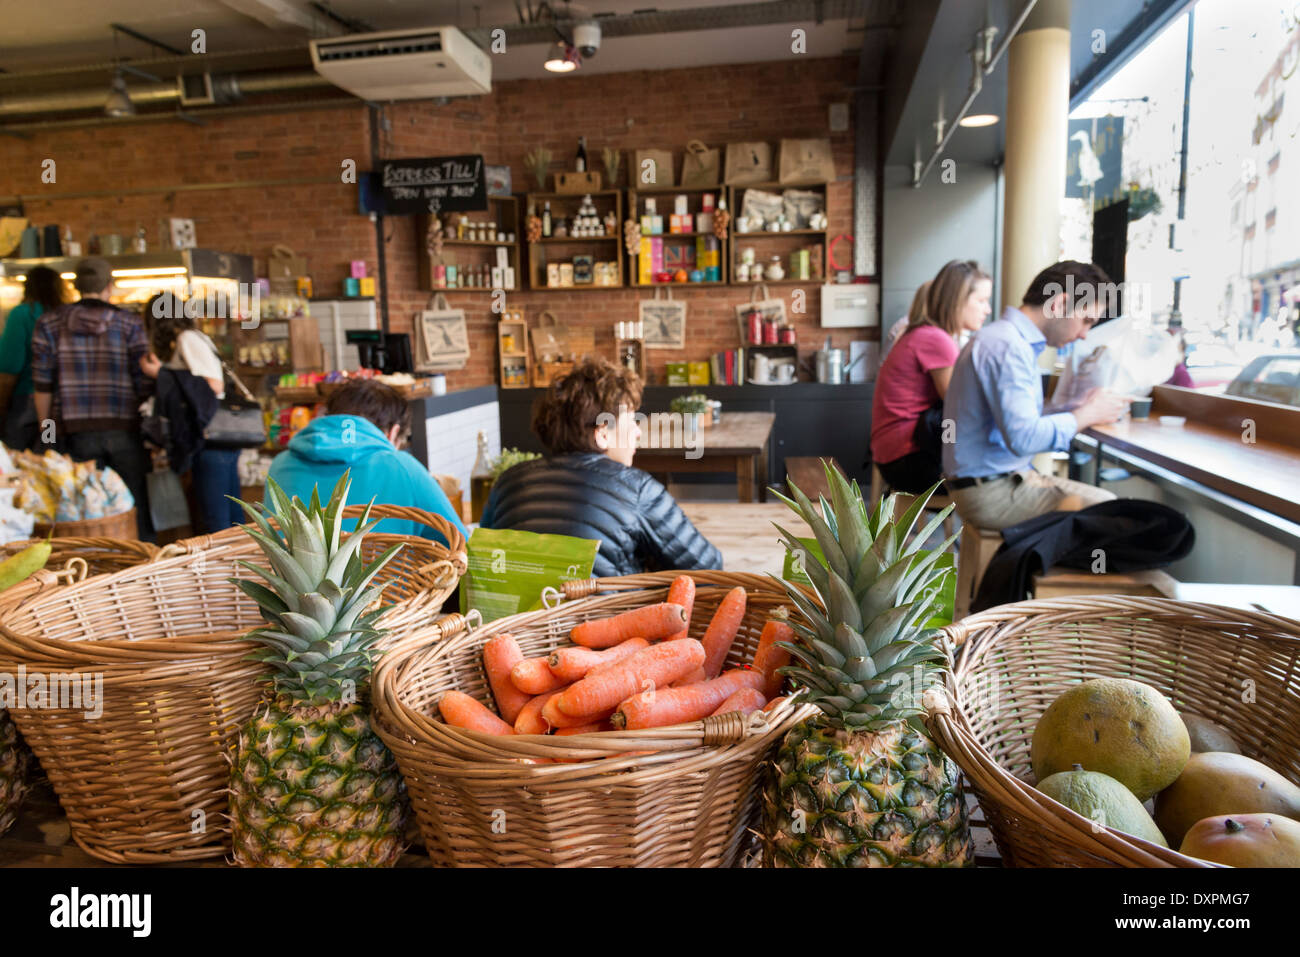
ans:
(404, 64)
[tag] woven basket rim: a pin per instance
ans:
(694, 743)
(978, 634)
(172, 646)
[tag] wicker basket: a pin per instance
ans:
(690, 801)
(145, 782)
(1018, 658)
(120, 526)
(101, 555)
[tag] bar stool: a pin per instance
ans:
(937, 503)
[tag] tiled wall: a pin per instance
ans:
(453, 440)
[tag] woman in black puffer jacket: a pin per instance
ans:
(586, 487)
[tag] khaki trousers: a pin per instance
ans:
(1019, 497)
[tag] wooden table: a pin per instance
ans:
(1281, 600)
(738, 444)
(1263, 473)
(744, 533)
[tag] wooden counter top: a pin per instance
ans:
(1265, 474)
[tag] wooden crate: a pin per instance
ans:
(575, 184)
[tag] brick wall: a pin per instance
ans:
(317, 214)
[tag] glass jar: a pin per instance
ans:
(775, 271)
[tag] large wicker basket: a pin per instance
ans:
(120, 526)
(101, 555)
(684, 796)
(1018, 658)
(144, 782)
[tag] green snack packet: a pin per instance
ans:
(793, 570)
(508, 569)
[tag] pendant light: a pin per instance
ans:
(119, 101)
(563, 58)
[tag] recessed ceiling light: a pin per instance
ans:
(563, 58)
(979, 119)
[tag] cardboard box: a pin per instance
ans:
(552, 274)
(677, 373)
(681, 205)
(367, 284)
(358, 269)
(498, 277)
(644, 266)
(503, 257)
(583, 270)
(509, 277)
(697, 373)
(704, 222)
(566, 274)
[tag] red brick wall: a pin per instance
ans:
(319, 218)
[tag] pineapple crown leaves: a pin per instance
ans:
(316, 598)
(862, 644)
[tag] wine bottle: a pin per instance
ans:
(546, 219)
(480, 480)
(582, 154)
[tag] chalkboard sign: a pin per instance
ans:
(433, 185)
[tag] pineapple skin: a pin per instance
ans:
(314, 786)
(15, 764)
(883, 798)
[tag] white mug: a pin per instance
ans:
(439, 384)
(785, 373)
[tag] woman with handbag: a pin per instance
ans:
(191, 385)
(907, 406)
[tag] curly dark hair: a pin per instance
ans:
(567, 415)
(44, 286)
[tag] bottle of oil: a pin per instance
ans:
(480, 480)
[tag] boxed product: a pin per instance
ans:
(566, 274)
(678, 373)
(697, 373)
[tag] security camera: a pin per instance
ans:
(586, 37)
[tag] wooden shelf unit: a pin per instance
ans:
(598, 247)
(513, 356)
(695, 195)
(766, 243)
(502, 210)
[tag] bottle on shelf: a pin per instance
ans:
(546, 220)
(480, 480)
(581, 166)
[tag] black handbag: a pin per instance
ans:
(238, 423)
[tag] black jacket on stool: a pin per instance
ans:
(589, 495)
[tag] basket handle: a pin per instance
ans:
(733, 727)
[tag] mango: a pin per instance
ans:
(1216, 783)
(1102, 799)
(1117, 726)
(1245, 840)
(1206, 735)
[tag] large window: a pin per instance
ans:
(1236, 248)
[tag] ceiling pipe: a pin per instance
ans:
(235, 87)
(982, 65)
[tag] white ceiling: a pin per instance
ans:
(54, 34)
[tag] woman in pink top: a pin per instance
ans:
(907, 405)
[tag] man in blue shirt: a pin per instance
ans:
(995, 403)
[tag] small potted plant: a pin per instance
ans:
(695, 408)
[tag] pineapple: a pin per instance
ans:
(862, 784)
(15, 766)
(311, 783)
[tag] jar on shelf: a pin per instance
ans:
(775, 271)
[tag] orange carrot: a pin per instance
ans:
(650, 622)
(501, 654)
(558, 719)
(768, 657)
(464, 712)
(745, 701)
(682, 704)
(658, 666)
(694, 677)
(722, 631)
(572, 663)
(773, 703)
(530, 720)
(682, 592)
(534, 677)
(585, 729)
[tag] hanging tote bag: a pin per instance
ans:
(663, 321)
(701, 167)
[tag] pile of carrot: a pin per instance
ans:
(631, 671)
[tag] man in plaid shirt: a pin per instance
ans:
(89, 355)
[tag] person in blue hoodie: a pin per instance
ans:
(363, 422)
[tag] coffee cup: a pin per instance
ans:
(1140, 408)
(785, 373)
